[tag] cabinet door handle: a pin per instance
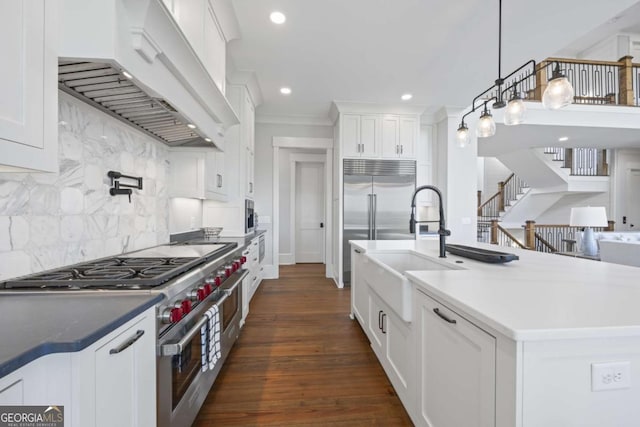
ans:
(443, 317)
(380, 319)
(384, 330)
(357, 251)
(128, 343)
(401, 149)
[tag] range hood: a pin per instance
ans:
(129, 59)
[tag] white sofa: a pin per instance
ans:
(620, 252)
(618, 247)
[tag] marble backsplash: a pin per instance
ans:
(49, 220)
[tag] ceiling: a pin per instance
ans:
(373, 51)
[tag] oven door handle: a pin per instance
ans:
(176, 348)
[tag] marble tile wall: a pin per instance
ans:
(49, 220)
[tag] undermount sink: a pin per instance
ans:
(386, 276)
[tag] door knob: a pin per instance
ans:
(322, 225)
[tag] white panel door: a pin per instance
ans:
(407, 137)
(350, 135)
(214, 48)
(309, 228)
(369, 135)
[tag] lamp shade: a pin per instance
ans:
(590, 216)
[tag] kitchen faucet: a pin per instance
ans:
(442, 231)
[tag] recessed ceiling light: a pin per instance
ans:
(285, 90)
(127, 75)
(208, 139)
(277, 17)
(191, 126)
(406, 97)
(563, 138)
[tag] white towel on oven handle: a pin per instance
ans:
(214, 336)
(210, 339)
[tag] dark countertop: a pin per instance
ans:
(44, 323)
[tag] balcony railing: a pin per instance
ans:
(594, 82)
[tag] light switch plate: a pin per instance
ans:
(610, 376)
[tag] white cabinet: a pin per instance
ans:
(214, 55)
(197, 173)
(359, 289)
(399, 136)
(111, 382)
(125, 376)
(197, 21)
(456, 368)
(250, 162)
(390, 339)
(117, 371)
(360, 135)
(28, 84)
(378, 135)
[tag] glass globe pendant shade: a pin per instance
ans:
(462, 135)
(515, 112)
(558, 93)
(486, 125)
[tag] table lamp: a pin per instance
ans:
(587, 217)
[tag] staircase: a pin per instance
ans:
(545, 176)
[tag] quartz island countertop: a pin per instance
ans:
(538, 297)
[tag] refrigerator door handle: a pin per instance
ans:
(374, 228)
(369, 217)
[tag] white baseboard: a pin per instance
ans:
(287, 259)
(270, 272)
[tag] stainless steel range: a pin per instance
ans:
(197, 323)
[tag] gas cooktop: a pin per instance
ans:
(144, 269)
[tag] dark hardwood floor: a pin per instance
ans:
(300, 360)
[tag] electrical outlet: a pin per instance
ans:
(610, 376)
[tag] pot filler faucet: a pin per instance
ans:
(442, 231)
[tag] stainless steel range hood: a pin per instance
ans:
(107, 89)
(138, 67)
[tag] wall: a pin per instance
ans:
(264, 171)
(49, 220)
(184, 214)
(494, 172)
(560, 212)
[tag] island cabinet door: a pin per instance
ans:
(456, 364)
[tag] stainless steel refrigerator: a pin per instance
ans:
(377, 202)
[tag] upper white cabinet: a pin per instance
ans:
(243, 137)
(399, 135)
(360, 135)
(198, 22)
(197, 173)
(378, 135)
(28, 84)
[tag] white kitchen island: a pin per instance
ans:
(544, 340)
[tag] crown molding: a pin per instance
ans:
(293, 120)
(250, 81)
(374, 108)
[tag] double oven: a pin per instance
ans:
(183, 380)
(194, 280)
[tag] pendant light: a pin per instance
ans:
(558, 94)
(462, 135)
(486, 124)
(559, 91)
(514, 114)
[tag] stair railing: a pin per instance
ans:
(508, 190)
(554, 237)
(502, 237)
(581, 161)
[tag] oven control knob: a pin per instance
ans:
(228, 269)
(243, 259)
(218, 280)
(208, 289)
(172, 314)
(197, 294)
(186, 306)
